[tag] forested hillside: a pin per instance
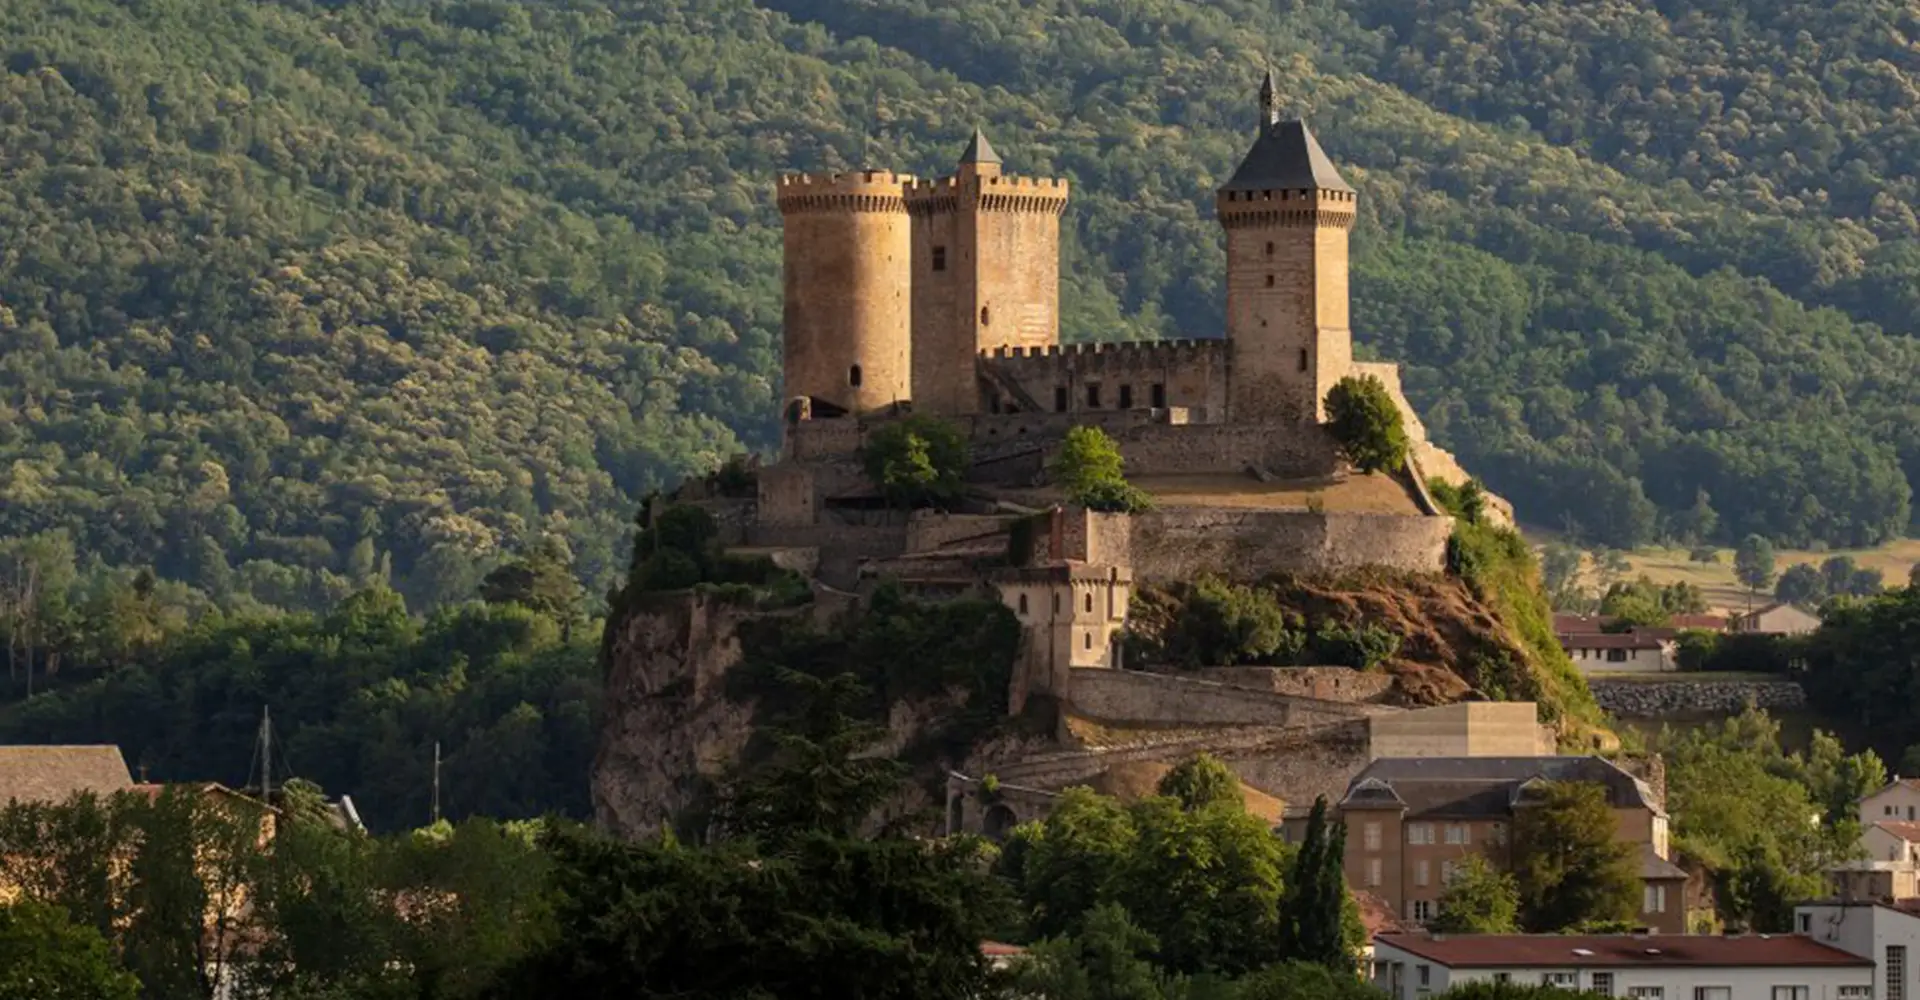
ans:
(297, 296)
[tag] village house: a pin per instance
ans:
(1886, 934)
(1779, 618)
(1628, 652)
(1644, 967)
(1411, 820)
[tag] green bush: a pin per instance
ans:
(1367, 424)
(1089, 470)
(917, 461)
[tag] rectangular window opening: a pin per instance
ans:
(1060, 399)
(1093, 397)
(1159, 396)
(939, 258)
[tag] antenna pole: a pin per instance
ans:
(436, 781)
(266, 755)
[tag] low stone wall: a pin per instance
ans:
(1292, 765)
(1655, 699)
(1326, 683)
(1178, 543)
(1154, 699)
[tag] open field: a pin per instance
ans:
(1716, 580)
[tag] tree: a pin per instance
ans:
(1311, 912)
(1226, 868)
(45, 956)
(1560, 567)
(917, 461)
(1367, 424)
(1110, 959)
(1069, 862)
(1302, 981)
(1753, 563)
(543, 580)
(1801, 583)
(1200, 781)
(1478, 899)
(1569, 867)
(1089, 468)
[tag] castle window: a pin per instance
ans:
(1087, 640)
(1089, 603)
(1269, 248)
(1093, 397)
(1159, 395)
(853, 376)
(1023, 604)
(1269, 281)
(984, 316)
(1303, 359)
(1059, 399)
(1126, 397)
(1056, 604)
(939, 258)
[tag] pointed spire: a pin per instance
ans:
(979, 150)
(1269, 101)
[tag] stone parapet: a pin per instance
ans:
(1145, 698)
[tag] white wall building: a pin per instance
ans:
(1887, 934)
(1896, 802)
(1643, 967)
(1630, 652)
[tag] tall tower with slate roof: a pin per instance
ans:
(986, 273)
(1287, 213)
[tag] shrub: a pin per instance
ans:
(917, 461)
(1367, 424)
(1089, 468)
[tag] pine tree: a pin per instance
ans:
(1311, 911)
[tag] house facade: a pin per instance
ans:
(1886, 934)
(1644, 967)
(1412, 821)
(1777, 619)
(1642, 652)
(1896, 801)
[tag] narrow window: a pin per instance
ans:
(1269, 281)
(1059, 399)
(1126, 397)
(985, 317)
(1023, 604)
(1303, 359)
(1089, 603)
(1159, 394)
(1269, 248)
(1093, 397)
(853, 376)
(1088, 640)
(939, 258)
(1056, 604)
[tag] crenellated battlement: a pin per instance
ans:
(1285, 208)
(852, 191)
(1148, 351)
(991, 193)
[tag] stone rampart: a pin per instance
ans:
(1634, 699)
(1099, 379)
(1282, 762)
(1179, 543)
(1155, 699)
(929, 530)
(1325, 683)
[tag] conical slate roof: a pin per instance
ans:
(979, 150)
(1286, 156)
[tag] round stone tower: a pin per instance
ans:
(848, 300)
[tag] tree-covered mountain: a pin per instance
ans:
(300, 294)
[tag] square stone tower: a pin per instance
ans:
(986, 273)
(1287, 213)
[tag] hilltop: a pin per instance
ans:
(296, 296)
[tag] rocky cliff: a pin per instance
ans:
(677, 718)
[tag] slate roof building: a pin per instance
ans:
(1411, 821)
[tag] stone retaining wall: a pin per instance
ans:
(1655, 699)
(1149, 699)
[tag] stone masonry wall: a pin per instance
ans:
(1105, 377)
(1653, 700)
(1327, 683)
(1178, 544)
(1291, 764)
(1149, 699)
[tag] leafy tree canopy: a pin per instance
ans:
(1367, 422)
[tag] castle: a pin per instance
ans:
(909, 297)
(944, 296)
(941, 297)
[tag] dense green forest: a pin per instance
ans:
(300, 295)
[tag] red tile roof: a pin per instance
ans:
(994, 949)
(1485, 951)
(1564, 624)
(1716, 623)
(1904, 829)
(1609, 640)
(53, 774)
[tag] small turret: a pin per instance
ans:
(1269, 101)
